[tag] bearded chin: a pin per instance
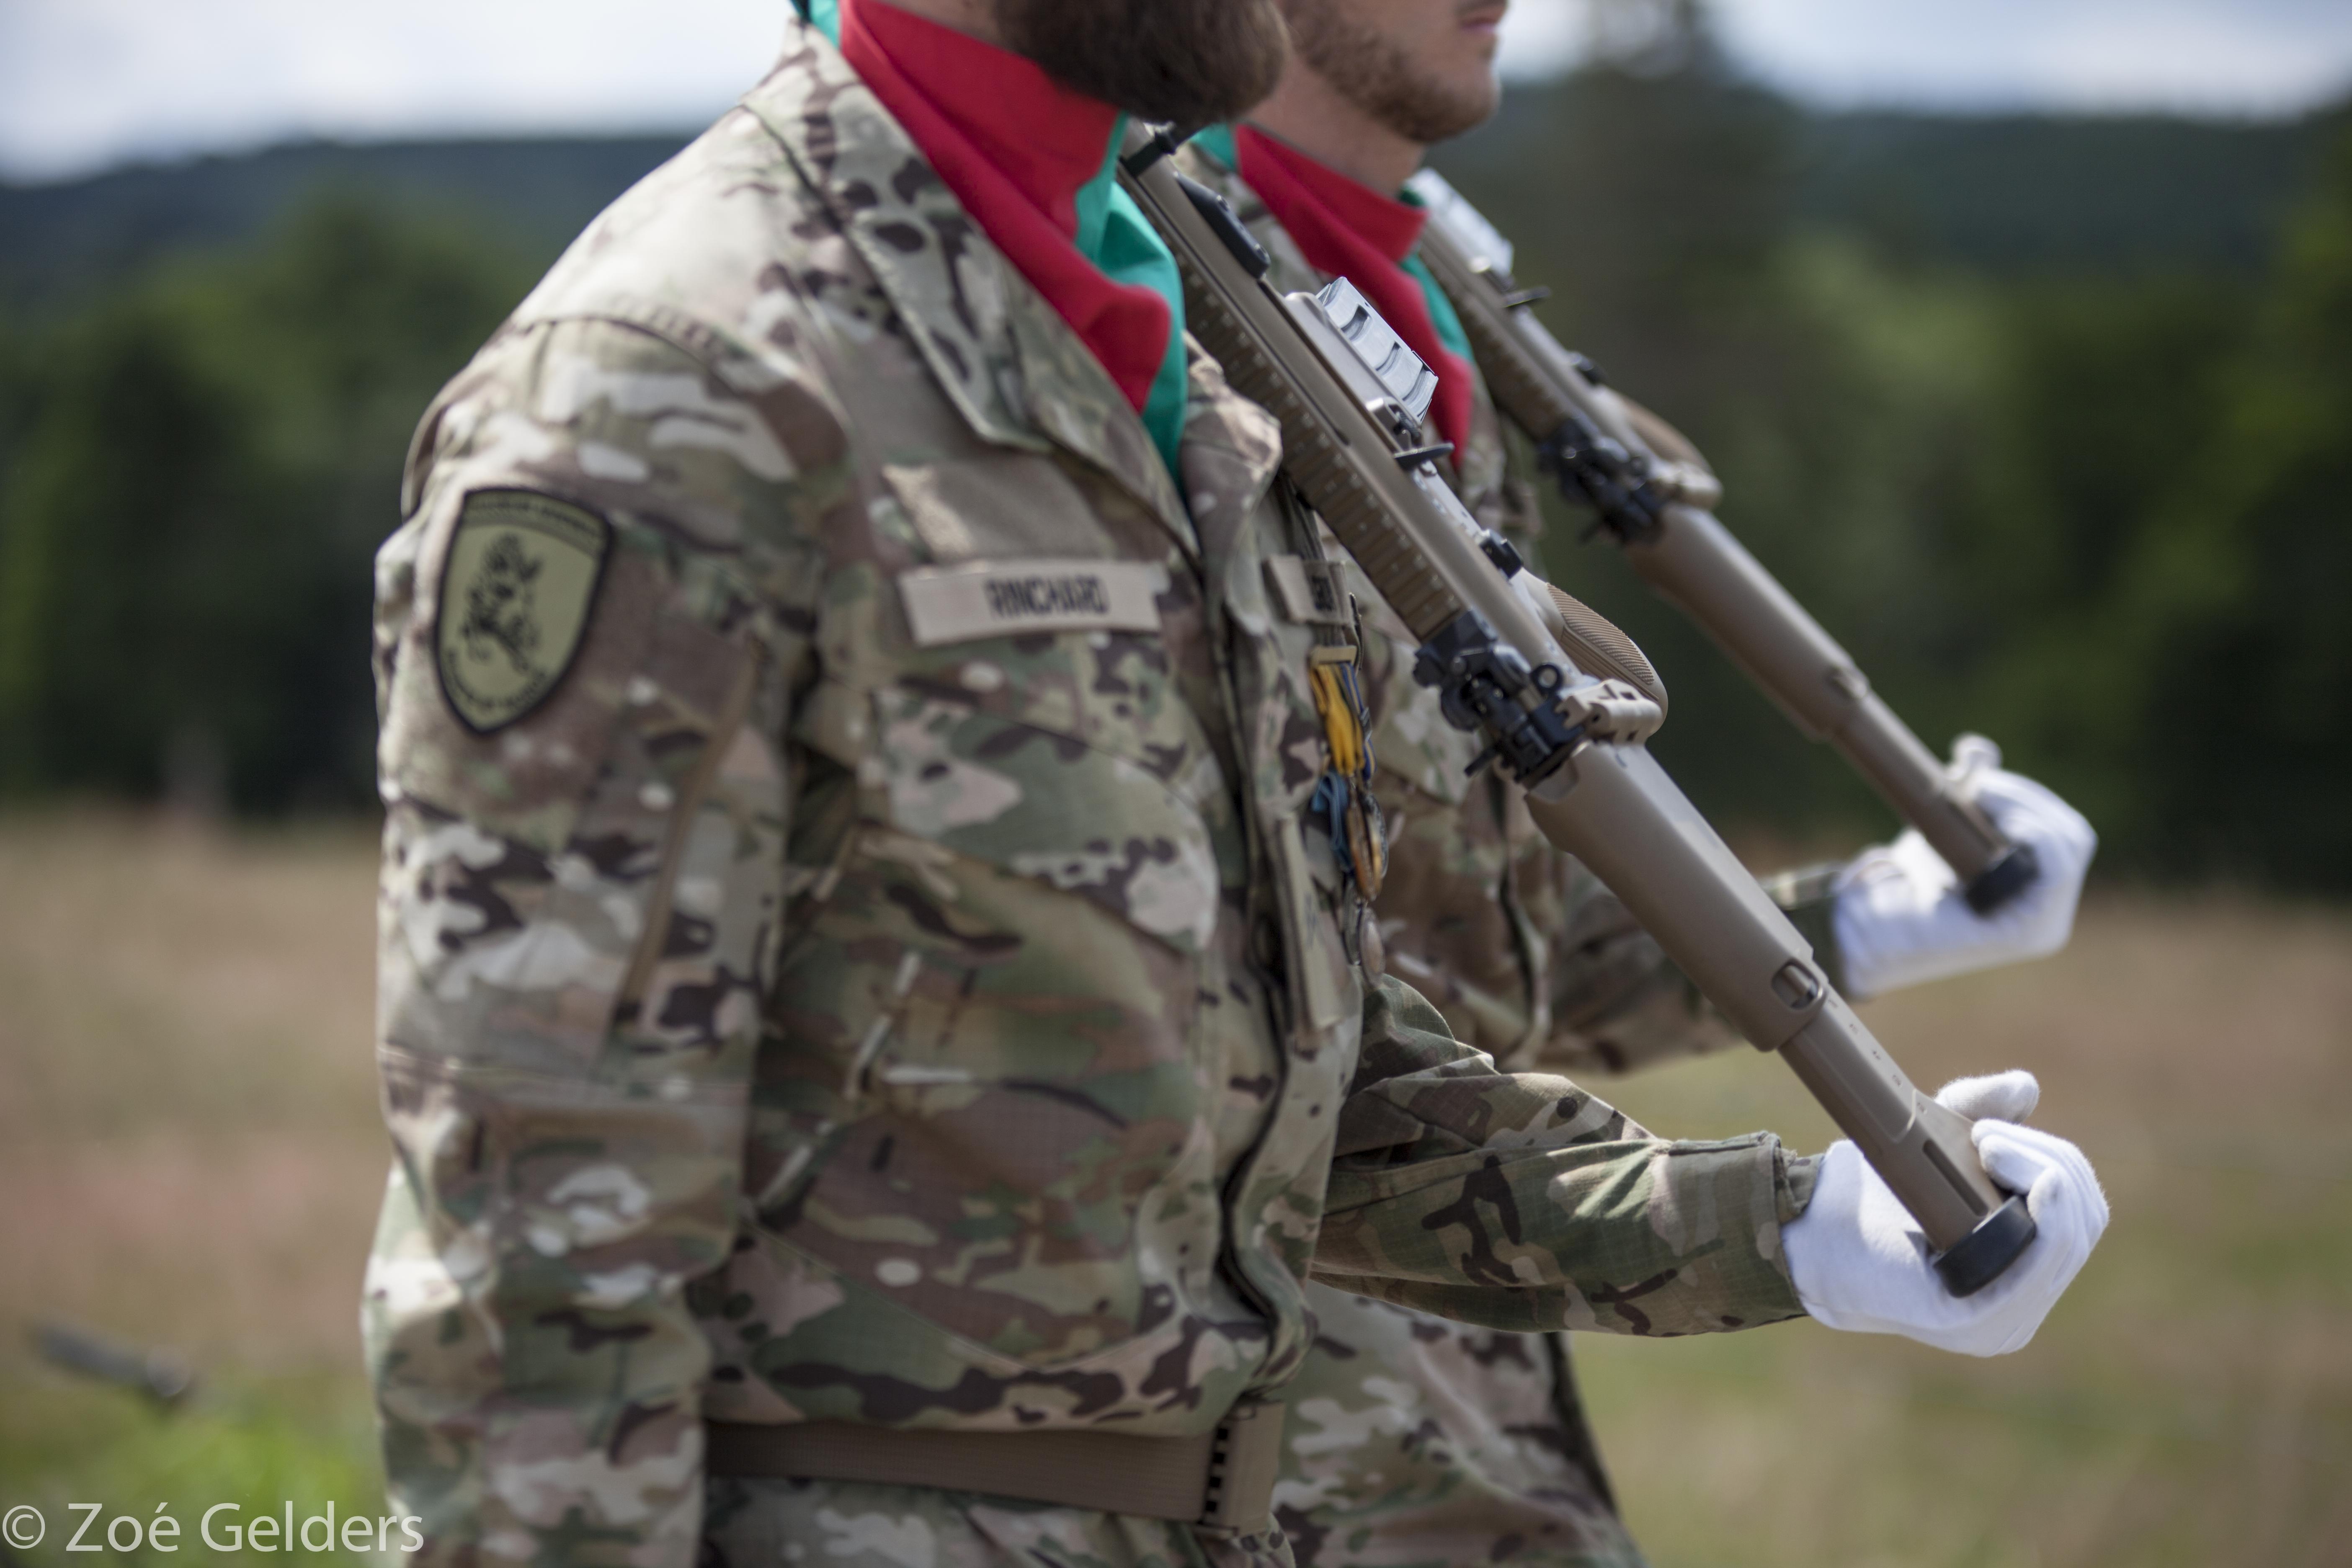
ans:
(1381, 79)
(1187, 62)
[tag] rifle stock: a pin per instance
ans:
(1593, 788)
(1693, 561)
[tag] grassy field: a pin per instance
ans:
(190, 1156)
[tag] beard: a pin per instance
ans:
(1187, 62)
(1379, 75)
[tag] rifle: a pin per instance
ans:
(1656, 496)
(157, 1375)
(1549, 688)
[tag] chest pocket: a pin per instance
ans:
(1116, 819)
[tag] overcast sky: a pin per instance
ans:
(87, 83)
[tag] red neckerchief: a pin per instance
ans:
(1352, 231)
(1014, 146)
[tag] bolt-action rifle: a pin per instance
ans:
(1562, 700)
(1655, 497)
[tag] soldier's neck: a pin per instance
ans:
(977, 17)
(1314, 117)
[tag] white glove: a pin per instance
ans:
(1902, 917)
(1859, 1262)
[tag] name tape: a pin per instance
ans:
(984, 599)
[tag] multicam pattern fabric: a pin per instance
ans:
(1414, 1440)
(790, 1018)
(843, 1525)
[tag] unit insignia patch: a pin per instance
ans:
(515, 595)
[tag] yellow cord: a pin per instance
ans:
(1339, 723)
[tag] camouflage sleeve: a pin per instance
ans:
(1519, 1201)
(586, 643)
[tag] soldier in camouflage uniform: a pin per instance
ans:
(849, 951)
(1412, 1440)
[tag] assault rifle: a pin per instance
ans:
(1562, 700)
(1655, 497)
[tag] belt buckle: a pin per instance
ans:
(1244, 1459)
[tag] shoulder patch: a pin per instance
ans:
(522, 572)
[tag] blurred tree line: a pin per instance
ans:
(2097, 512)
(195, 467)
(2094, 511)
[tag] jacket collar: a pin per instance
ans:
(1008, 363)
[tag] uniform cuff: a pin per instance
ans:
(1793, 1184)
(1745, 1282)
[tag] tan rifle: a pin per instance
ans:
(1654, 496)
(1559, 697)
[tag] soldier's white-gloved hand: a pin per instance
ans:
(1902, 917)
(1861, 1264)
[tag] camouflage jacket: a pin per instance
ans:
(1411, 1440)
(848, 949)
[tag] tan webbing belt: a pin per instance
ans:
(1221, 1480)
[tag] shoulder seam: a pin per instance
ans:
(699, 340)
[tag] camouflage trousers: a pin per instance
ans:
(1412, 1442)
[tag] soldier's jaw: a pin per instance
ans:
(1192, 62)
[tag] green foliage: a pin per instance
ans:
(2108, 398)
(2063, 471)
(2156, 562)
(200, 465)
(2094, 514)
(2025, 195)
(2232, 591)
(258, 1444)
(1845, 403)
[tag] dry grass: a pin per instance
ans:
(189, 1148)
(190, 1156)
(2190, 1402)
(188, 1133)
